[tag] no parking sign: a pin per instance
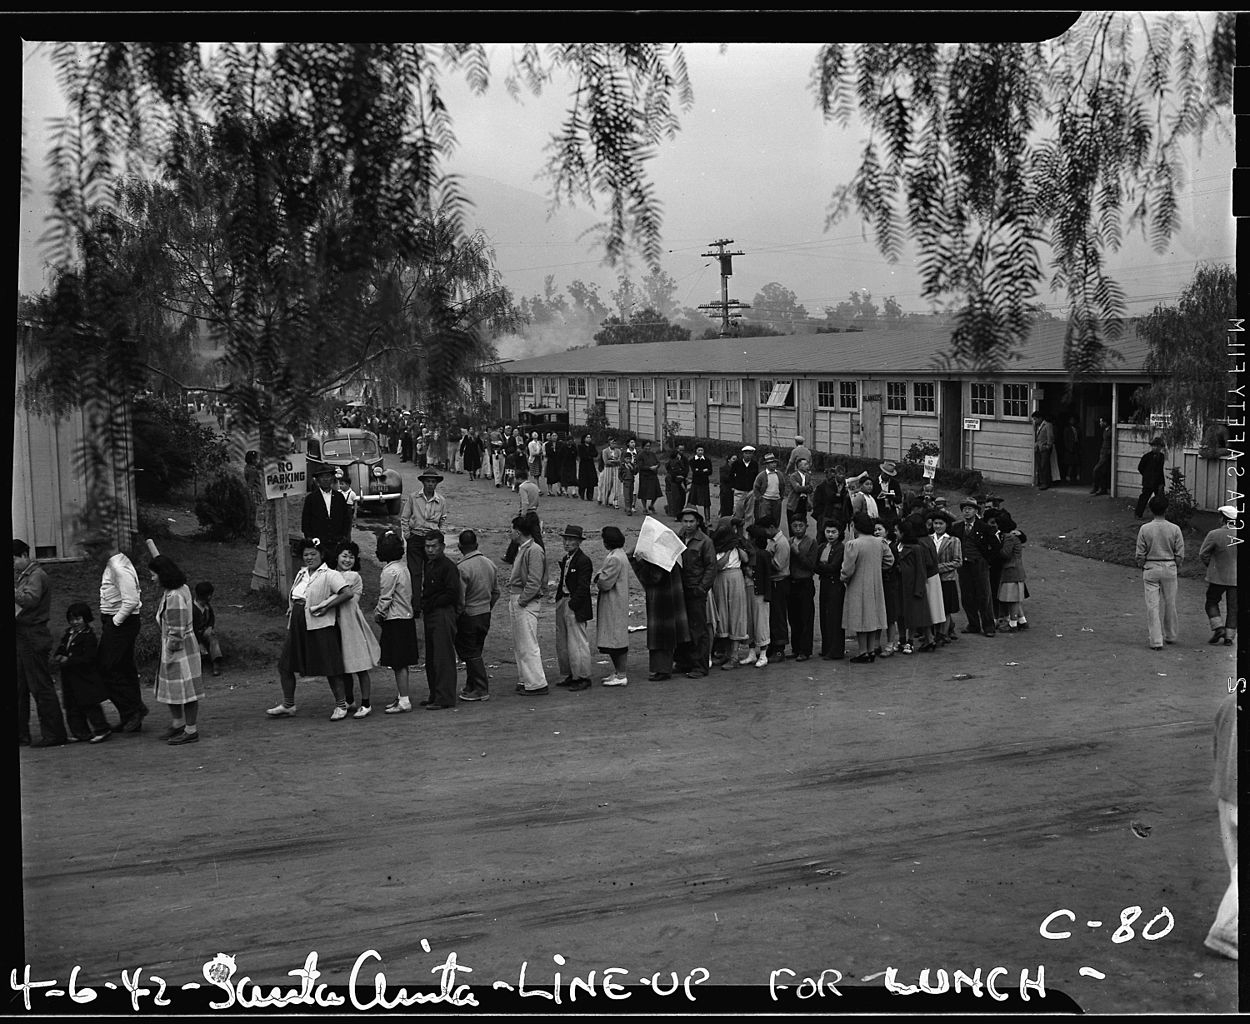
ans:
(287, 475)
(930, 466)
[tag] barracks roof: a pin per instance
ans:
(911, 350)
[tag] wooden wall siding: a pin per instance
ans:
(683, 413)
(47, 493)
(900, 431)
(1003, 450)
(578, 410)
(724, 423)
(833, 432)
(1208, 480)
(612, 410)
(776, 427)
(1131, 444)
(642, 417)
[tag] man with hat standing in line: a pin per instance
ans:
(887, 483)
(698, 573)
(326, 515)
(1151, 469)
(770, 491)
(1219, 554)
(573, 611)
(742, 479)
(980, 545)
(442, 596)
(423, 511)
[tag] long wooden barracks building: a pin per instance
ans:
(871, 394)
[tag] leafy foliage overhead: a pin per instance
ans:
(984, 154)
(1189, 354)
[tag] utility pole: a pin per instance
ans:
(726, 271)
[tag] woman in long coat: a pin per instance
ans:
(648, 478)
(471, 453)
(701, 482)
(612, 605)
(913, 570)
(587, 475)
(864, 557)
(178, 681)
(609, 485)
(667, 626)
(551, 453)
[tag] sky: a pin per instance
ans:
(754, 162)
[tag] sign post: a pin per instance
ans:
(283, 477)
(930, 466)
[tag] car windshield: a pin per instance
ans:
(349, 448)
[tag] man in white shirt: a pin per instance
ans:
(423, 511)
(120, 604)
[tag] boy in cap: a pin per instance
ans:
(742, 478)
(573, 611)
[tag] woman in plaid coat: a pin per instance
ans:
(178, 682)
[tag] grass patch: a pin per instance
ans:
(1118, 545)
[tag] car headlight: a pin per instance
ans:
(379, 472)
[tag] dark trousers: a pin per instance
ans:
(832, 635)
(778, 617)
(694, 653)
(116, 659)
(974, 587)
(1148, 491)
(440, 654)
(1215, 591)
(84, 720)
(414, 551)
(802, 612)
(34, 679)
(471, 633)
(674, 497)
(1041, 461)
(1102, 474)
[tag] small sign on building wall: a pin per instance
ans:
(930, 466)
(287, 475)
(972, 424)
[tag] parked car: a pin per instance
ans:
(358, 453)
(545, 421)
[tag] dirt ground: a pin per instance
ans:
(805, 817)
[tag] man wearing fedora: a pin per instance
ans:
(770, 491)
(573, 611)
(698, 573)
(980, 545)
(887, 483)
(1150, 466)
(423, 511)
(326, 515)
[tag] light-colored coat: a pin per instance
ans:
(863, 559)
(612, 605)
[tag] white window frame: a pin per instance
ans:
(606, 388)
(991, 399)
(901, 393)
(1025, 401)
(550, 387)
(641, 389)
(780, 394)
(929, 399)
(830, 387)
(577, 387)
(525, 386)
(842, 394)
(733, 391)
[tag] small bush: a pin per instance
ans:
(225, 509)
(1181, 507)
(919, 449)
(171, 447)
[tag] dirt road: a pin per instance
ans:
(805, 817)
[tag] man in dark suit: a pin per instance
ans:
(573, 611)
(981, 548)
(831, 502)
(326, 515)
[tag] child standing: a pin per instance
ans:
(82, 688)
(399, 647)
(204, 624)
(360, 647)
(1012, 590)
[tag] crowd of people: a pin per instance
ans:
(852, 567)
